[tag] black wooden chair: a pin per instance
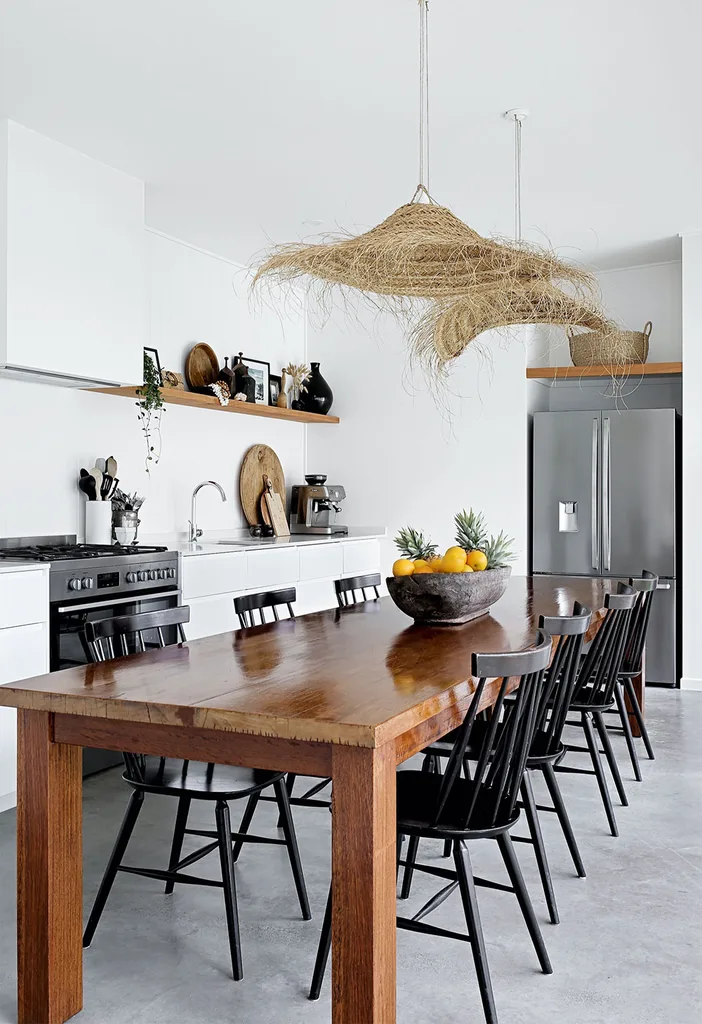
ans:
(353, 589)
(546, 749)
(187, 781)
(245, 608)
(632, 665)
(446, 806)
(594, 695)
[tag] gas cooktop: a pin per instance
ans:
(61, 552)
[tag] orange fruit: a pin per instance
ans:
(434, 562)
(457, 553)
(420, 563)
(420, 570)
(453, 562)
(403, 567)
(468, 568)
(477, 560)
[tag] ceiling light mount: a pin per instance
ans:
(516, 114)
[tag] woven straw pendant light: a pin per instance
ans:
(448, 282)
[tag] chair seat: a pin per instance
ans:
(417, 800)
(201, 782)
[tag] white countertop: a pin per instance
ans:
(242, 541)
(22, 566)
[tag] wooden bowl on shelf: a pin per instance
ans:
(448, 599)
(201, 368)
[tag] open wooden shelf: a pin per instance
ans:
(172, 396)
(577, 372)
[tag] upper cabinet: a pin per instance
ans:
(72, 264)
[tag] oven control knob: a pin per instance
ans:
(131, 577)
(87, 583)
(141, 576)
(74, 584)
(152, 574)
(162, 574)
(171, 574)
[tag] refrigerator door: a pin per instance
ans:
(565, 503)
(638, 492)
(661, 662)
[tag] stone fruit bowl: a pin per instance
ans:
(448, 599)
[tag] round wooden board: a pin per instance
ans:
(259, 461)
(201, 367)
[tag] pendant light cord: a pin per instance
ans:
(423, 97)
(517, 178)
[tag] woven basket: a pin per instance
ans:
(615, 348)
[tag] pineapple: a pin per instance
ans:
(498, 551)
(412, 544)
(471, 530)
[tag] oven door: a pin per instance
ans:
(68, 647)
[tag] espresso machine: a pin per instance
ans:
(315, 507)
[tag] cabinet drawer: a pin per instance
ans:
(211, 615)
(321, 561)
(24, 598)
(361, 556)
(271, 568)
(205, 575)
(24, 652)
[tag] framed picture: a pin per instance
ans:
(152, 354)
(261, 373)
(274, 387)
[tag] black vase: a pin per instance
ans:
(319, 396)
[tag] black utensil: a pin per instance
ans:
(87, 486)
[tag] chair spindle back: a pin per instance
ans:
(273, 599)
(645, 587)
(601, 665)
(561, 676)
(346, 589)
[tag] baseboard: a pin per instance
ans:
(690, 684)
(7, 800)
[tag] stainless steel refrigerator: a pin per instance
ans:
(604, 504)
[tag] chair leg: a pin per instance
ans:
(447, 847)
(320, 964)
(289, 784)
(466, 884)
(611, 759)
(136, 802)
(281, 793)
(181, 823)
(534, 824)
(410, 861)
(504, 841)
(599, 771)
(559, 804)
(626, 727)
(224, 835)
(251, 805)
(636, 712)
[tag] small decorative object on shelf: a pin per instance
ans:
(125, 516)
(260, 373)
(226, 374)
(244, 384)
(274, 383)
(150, 406)
(221, 391)
(299, 375)
(282, 400)
(171, 379)
(240, 397)
(318, 396)
(609, 348)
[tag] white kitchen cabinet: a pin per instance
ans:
(320, 561)
(205, 575)
(361, 556)
(274, 568)
(210, 615)
(74, 248)
(24, 598)
(24, 652)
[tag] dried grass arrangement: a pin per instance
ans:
(469, 284)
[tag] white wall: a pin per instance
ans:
(631, 296)
(48, 433)
(401, 459)
(692, 460)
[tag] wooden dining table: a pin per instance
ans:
(348, 694)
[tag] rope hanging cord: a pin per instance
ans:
(423, 98)
(517, 178)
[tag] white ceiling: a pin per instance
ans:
(252, 120)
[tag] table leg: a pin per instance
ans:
(363, 885)
(49, 873)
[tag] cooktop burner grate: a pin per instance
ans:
(61, 552)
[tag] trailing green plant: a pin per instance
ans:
(151, 407)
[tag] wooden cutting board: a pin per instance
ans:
(259, 461)
(201, 367)
(276, 509)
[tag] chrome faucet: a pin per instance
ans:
(194, 532)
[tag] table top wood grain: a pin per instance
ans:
(362, 676)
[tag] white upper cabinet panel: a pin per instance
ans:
(75, 263)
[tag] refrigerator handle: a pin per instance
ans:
(606, 494)
(594, 511)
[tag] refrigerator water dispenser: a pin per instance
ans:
(567, 517)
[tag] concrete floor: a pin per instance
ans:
(628, 949)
